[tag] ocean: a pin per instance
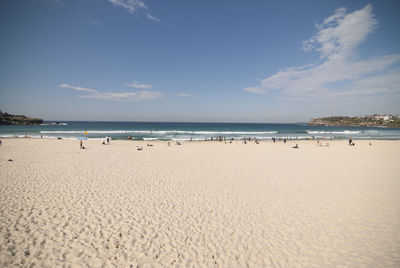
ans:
(193, 131)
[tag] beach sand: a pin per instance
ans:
(202, 204)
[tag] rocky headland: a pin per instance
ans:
(376, 120)
(12, 119)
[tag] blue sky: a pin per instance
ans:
(212, 61)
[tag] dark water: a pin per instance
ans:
(194, 131)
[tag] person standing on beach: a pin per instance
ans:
(108, 140)
(81, 144)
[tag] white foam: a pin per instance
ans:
(54, 124)
(157, 132)
(150, 139)
(83, 131)
(12, 136)
(333, 132)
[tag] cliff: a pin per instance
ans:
(11, 119)
(389, 121)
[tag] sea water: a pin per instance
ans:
(193, 131)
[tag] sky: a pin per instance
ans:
(199, 61)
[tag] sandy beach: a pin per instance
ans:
(201, 204)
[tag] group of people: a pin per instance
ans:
(139, 148)
(284, 139)
(176, 143)
(107, 141)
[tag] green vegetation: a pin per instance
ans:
(390, 121)
(11, 119)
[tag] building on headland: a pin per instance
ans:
(385, 117)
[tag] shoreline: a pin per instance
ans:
(197, 131)
(277, 139)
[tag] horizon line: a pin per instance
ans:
(124, 121)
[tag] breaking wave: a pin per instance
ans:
(160, 132)
(345, 132)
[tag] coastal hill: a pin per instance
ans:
(376, 120)
(11, 119)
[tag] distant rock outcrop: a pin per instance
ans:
(376, 120)
(11, 119)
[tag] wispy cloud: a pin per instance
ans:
(149, 16)
(339, 72)
(131, 6)
(124, 96)
(116, 96)
(387, 82)
(79, 88)
(185, 95)
(136, 84)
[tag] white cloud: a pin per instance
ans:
(339, 71)
(149, 16)
(256, 90)
(79, 88)
(131, 6)
(341, 33)
(117, 96)
(186, 95)
(388, 82)
(124, 96)
(136, 84)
